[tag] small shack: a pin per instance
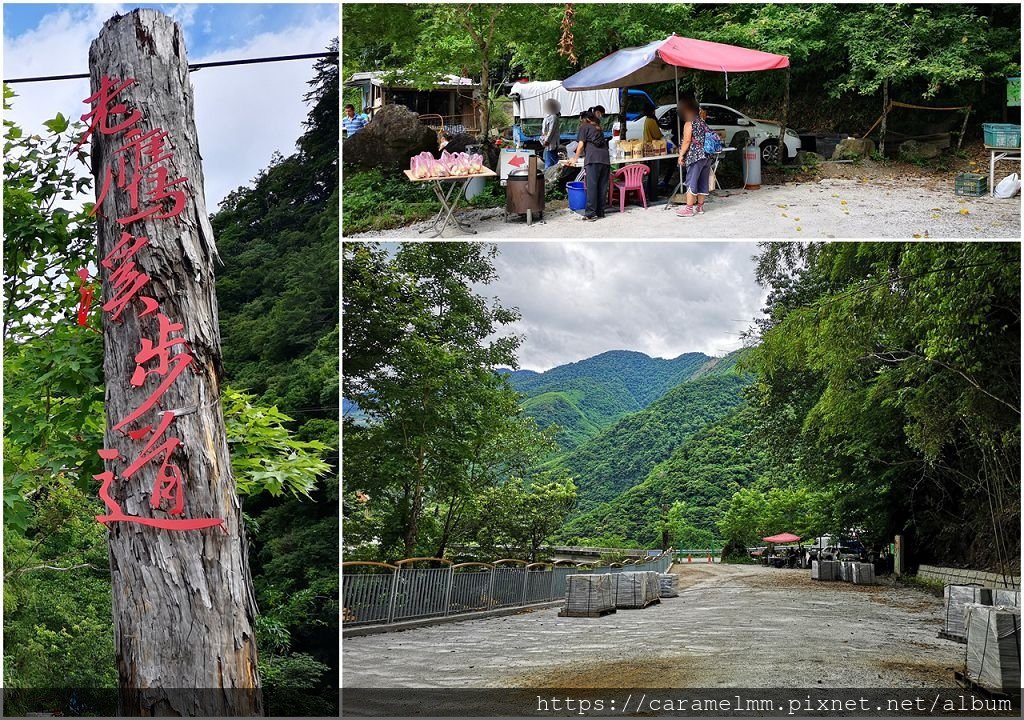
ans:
(451, 103)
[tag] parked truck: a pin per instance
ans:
(528, 98)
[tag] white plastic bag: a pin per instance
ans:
(1008, 187)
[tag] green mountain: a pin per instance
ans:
(706, 469)
(623, 454)
(588, 396)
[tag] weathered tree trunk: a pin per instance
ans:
(412, 529)
(485, 94)
(183, 601)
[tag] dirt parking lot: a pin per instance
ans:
(731, 626)
(829, 208)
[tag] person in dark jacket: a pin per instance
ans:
(593, 145)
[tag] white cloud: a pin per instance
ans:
(243, 114)
(184, 13)
(663, 299)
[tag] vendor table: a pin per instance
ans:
(995, 155)
(625, 161)
(449, 199)
(668, 156)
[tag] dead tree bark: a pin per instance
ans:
(183, 602)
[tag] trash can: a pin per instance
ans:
(577, 195)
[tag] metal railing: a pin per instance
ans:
(375, 593)
(452, 124)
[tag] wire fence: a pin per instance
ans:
(376, 593)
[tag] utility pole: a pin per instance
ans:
(183, 601)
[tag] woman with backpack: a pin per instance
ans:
(593, 145)
(698, 145)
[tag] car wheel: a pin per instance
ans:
(770, 152)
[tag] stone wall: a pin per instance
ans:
(962, 576)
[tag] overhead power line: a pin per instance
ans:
(193, 66)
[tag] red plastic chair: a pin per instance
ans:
(633, 181)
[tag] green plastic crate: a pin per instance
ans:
(1001, 135)
(971, 184)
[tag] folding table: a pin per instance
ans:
(996, 154)
(449, 199)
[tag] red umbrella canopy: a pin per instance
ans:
(782, 538)
(704, 55)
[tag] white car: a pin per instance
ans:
(727, 121)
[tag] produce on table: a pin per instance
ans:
(425, 165)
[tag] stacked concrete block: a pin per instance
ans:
(588, 596)
(631, 590)
(653, 586)
(824, 570)
(993, 646)
(1006, 598)
(668, 585)
(862, 573)
(956, 598)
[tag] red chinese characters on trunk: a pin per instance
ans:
(139, 168)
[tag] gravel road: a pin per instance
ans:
(731, 626)
(830, 208)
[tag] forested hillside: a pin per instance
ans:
(584, 397)
(278, 296)
(623, 454)
(681, 496)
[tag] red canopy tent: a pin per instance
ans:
(661, 60)
(704, 55)
(782, 538)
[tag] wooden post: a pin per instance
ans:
(785, 119)
(183, 601)
(448, 589)
(963, 128)
(623, 100)
(885, 118)
(393, 595)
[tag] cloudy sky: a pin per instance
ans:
(663, 299)
(243, 114)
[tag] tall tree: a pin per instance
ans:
(440, 423)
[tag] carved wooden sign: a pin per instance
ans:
(140, 171)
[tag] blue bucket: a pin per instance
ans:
(577, 195)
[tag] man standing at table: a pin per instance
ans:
(352, 122)
(550, 134)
